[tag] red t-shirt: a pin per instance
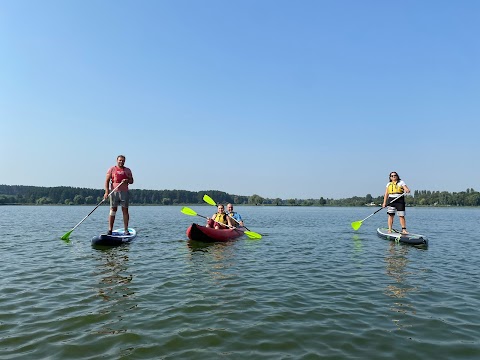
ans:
(118, 174)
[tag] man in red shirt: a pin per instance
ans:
(117, 175)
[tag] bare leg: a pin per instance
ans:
(111, 219)
(126, 217)
(390, 222)
(404, 224)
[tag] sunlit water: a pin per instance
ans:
(311, 288)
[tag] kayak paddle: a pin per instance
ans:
(67, 234)
(250, 234)
(210, 201)
(356, 224)
(188, 211)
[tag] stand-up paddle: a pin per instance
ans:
(210, 201)
(356, 224)
(250, 234)
(67, 234)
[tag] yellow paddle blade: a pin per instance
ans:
(209, 200)
(356, 225)
(188, 211)
(253, 235)
(66, 235)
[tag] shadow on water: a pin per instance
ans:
(114, 287)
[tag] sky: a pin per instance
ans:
(289, 99)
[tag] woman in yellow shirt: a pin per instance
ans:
(395, 188)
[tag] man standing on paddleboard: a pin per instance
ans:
(118, 175)
(395, 200)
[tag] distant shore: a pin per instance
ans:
(65, 195)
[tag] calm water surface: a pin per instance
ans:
(311, 288)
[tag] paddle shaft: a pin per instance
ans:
(230, 226)
(238, 221)
(100, 203)
(398, 197)
(251, 234)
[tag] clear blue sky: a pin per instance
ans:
(289, 99)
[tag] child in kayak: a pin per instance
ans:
(219, 220)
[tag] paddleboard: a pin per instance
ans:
(397, 236)
(117, 238)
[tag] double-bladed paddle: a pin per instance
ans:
(356, 224)
(67, 234)
(250, 234)
(210, 201)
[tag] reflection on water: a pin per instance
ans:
(396, 267)
(114, 286)
(309, 290)
(213, 259)
(357, 243)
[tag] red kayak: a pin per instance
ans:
(208, 234)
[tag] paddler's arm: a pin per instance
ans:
(240, 222)
(385, 198)
(130, 177)
(107, 184)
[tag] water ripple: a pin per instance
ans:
(311, 288)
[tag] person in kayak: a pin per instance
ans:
(237, 219)
(220, 219)
(116, 175)
(395, 188)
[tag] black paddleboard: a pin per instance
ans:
(397, 236)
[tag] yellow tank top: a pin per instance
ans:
(393, 188)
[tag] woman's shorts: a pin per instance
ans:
(397, 206)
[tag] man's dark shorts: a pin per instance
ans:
(119, 198)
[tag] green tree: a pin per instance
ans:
(78, 200)
(473, 199)
(255, 199)
(89, 200)
(44, 201)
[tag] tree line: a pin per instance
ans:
(65, 195)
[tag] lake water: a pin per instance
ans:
(311, 288)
